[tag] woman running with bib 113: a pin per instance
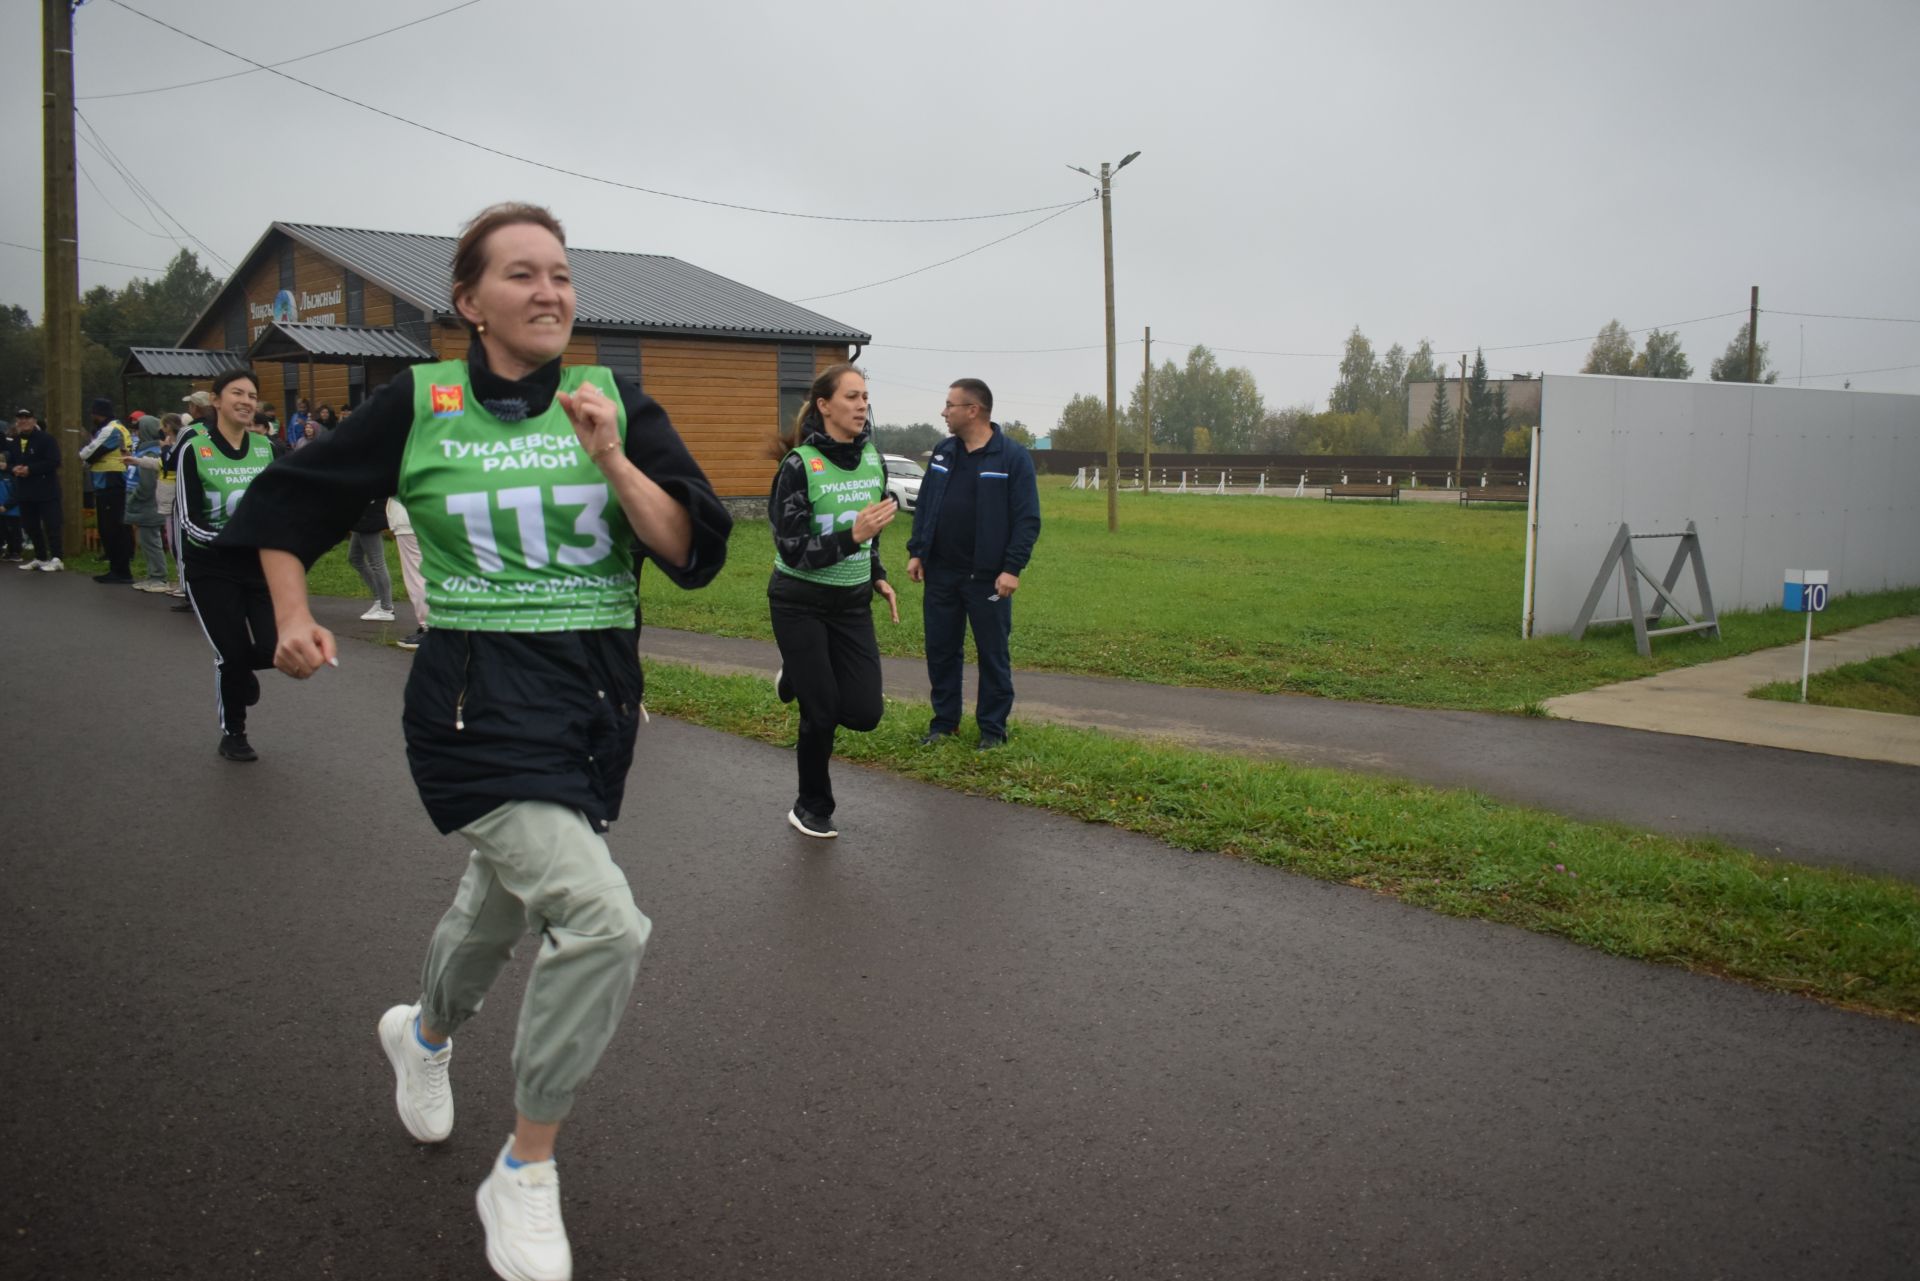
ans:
(523, 701)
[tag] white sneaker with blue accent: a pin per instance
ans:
(520, 1209)
(422, 1092)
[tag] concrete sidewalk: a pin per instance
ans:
(1710, 701)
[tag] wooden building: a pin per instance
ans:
(327, 313)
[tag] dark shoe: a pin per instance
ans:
(933, 737)
(810, 824)
(991, 742)
(182, 608)
(113, 578)
(235, 747)
(413, 641)
(781, 688)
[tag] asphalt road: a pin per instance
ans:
(965, 1040)
(1800, 806)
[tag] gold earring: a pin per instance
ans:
(481, 327)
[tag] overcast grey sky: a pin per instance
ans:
(1478, 173)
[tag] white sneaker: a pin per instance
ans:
(30, 564)
(520, 1209)
(151, 585)
(377, 615)
(53, 566)
(422, 1093)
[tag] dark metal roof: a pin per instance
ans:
(648, 292)
(287, 340)
(181, 362)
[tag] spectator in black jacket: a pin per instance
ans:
(974, 528)
(34, 462)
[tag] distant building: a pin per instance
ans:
(1045, 442)
(1523, 400)
(328, 313)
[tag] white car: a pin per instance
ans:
(903, 480)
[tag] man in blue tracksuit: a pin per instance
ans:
(973, 532)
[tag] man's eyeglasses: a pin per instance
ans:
(965, 404)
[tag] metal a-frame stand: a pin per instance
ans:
(1633, 569)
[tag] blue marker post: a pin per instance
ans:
(1806, 592)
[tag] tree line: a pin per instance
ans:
(1613, 353)
(1200, 406)
(143, 313)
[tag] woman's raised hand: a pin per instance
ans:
(873, 519)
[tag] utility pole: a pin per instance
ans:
(1113, 371)
(1460, 429)
(1113, 423)
(1146, 417)
(1753, 335)
(61, 237)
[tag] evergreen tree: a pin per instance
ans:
(1481, 437)
(1436, 433)
(1663, 358)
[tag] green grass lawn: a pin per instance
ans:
(1890, 684)
(1414, 603)
(1849, 939)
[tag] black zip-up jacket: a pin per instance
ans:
(1006, 505)
(492, 717)
(798, 541)
(36, 451)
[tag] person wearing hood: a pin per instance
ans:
(143, 501)
(827, 507)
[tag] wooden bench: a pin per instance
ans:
(1493, 494)
(1389, 492)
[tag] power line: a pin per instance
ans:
(87, 174)
(575, 173)
(1821, 315)
(35, 249)
(140, 189)
(944, 261)
(207, 80)
(996, 351)
(1855, 373)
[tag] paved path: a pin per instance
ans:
(1798, 805)
(966, 1040)
(1710, 701)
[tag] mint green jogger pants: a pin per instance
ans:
(539, 868)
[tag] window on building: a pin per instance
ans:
(237, 325)
(796, 376)
(290, 375)
(620, 353)
(356, 298)
(356, 384)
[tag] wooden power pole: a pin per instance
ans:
(1146, 418)
(61, 237)
(1753, 335)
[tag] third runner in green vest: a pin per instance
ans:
(828, 506)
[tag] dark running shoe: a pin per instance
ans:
(235, 747)
(991, 742)
(809, 824)
(113, 578)
(413, 641)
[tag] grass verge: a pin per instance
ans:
(1416, 603)
(1843, 938)
(1889, 684)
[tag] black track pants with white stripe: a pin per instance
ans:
(237, 617)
